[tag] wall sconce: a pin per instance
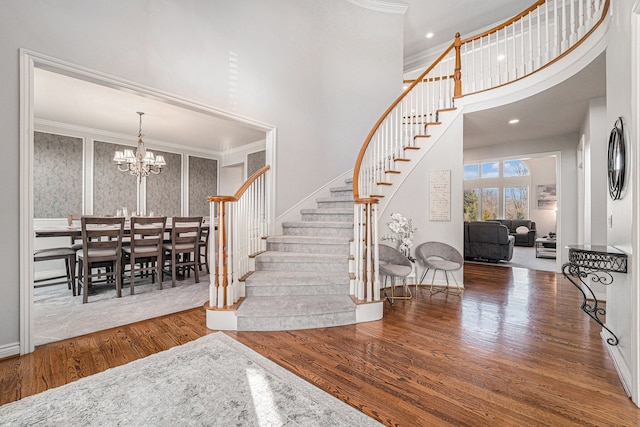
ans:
(616, 160)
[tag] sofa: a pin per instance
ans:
(487, 241)
(523, 237)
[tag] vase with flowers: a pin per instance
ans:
(403, 229)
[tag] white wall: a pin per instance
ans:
(412, 198)
(320, 72)
(622, 101)
(231, 178)
(565, 146)
(595, 134)
(543, 172)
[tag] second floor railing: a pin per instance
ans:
(242, 227)
(524, 44)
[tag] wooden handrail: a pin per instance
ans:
(363, 149)
(242, 189)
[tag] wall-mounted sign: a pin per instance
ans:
(440, 195)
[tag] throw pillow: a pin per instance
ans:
(522, 230)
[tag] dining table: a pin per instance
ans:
(76, 230)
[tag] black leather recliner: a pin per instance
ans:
(490, 241)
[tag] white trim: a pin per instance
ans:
(26, 202)
(30, 60)
(122, 139)
(382, 6)
(635, 215)
(618, 362)
(9, 350)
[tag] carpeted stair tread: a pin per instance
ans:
(301, 278)
(318, 224)
(342, 211)
(278, 256)
(315, 240)
(295, 305)
(335, 199)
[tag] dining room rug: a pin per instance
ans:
(213, 380)
(59, 315)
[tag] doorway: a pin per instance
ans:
(29, 63)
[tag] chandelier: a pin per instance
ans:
(143, 162)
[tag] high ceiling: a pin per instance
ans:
(68, 100)
(445, 18)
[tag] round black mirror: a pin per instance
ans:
(616, 160)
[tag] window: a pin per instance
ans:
(471, 171)
(489, 203)
(516, 202)
(496, 189)
(513, 168)
(471, 204)
(490, 170)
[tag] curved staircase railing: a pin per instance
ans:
(522, 45)
(242, 226)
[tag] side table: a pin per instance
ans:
(545, 247)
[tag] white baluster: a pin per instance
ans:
(573, 26)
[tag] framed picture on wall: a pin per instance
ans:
(546, 196)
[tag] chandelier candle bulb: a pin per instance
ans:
(141, 164)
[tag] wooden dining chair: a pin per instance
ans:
(203, 257)
(183, 252)
(101, 248)
(63, 253)
(144, 254)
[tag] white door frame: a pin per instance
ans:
(30, 60)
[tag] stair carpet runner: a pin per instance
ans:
(302, 280)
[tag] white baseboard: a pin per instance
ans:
(621, 367)
(9, 350)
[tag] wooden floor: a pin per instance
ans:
(514, 350)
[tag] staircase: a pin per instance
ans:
(302, 280)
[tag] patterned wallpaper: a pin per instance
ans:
(112, 189)
(57, 175)
(255, 161)
(203, 182)
(163, 190)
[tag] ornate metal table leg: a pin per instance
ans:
(571, 271)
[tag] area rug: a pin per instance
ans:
(59, 315)
(213, 380)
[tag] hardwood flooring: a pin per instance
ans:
(514, 350)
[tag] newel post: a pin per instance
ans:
(221, 253)
(457, 73)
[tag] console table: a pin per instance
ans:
(596, 262)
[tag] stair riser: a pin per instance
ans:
(321, 232)
(341, 192)
(261, 291)
(328, 217)
(309, 248)
(285, 323)
(336, 267)
(332, 205)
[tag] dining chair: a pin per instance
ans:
(101, 248)
(68, 255)
(395, 265)
(183, 252)
(144, 253)
(204, 244)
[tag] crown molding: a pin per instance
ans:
(382, 6)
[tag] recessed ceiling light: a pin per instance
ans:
(429, 35)
(500, 57)
(514, 121)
